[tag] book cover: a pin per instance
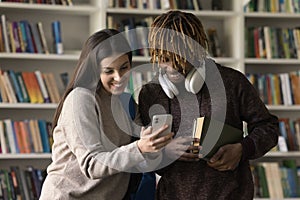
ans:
(213, 134)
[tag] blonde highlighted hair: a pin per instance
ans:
(179, 36)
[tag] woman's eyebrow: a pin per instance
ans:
(108, 67)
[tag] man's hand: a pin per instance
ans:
(227, 157)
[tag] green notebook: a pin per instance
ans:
(213, 134)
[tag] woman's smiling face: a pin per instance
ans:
(114, 76)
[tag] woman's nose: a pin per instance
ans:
(117, 76)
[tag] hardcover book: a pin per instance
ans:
(214, 134)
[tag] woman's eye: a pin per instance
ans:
(125, 67)
(108, 71)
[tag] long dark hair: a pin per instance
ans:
(98, 46)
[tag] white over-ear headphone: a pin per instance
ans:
(193, 81)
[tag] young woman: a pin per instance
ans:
(93, 155)
(189, 85)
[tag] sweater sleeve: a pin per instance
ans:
(96, 155)
(262, 126)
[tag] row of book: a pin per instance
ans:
(23, 37)
(26, 136)
(284, 6)
(136, 32)
(156, 4)
(275, 180)
(289, 139)
(271, 42)
(21, 184)
(277, 89)
(52, 2)
(137, 80)
(28, 87)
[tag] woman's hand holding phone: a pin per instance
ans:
(153, 139)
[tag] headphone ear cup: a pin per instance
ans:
(165, 86)
(195, 80)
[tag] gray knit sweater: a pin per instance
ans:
(91, 154)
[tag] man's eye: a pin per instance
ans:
(164, 59)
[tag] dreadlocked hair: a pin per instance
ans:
(177, 36)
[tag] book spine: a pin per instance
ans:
(4, 30)
(16, 86)
(43, 38)
(41, 83)
(57, 40)
(22, 87)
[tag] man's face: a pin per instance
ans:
(174, 71)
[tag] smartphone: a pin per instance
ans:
(160, 120)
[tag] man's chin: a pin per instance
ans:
(176, 80)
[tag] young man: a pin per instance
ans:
(189, 85)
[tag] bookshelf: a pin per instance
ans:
(85, 17)
(274, 64)
(77, 23)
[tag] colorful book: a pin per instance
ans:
(5, 34)
(32, 87)
(22, 87)
(57, 38)
(16, 85)
(43, 37)
(44, 135)
(3, 143)
(52, 87)
(29, 40)
(10, 135)
(42, 85)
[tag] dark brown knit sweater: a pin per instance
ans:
(196, 180)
